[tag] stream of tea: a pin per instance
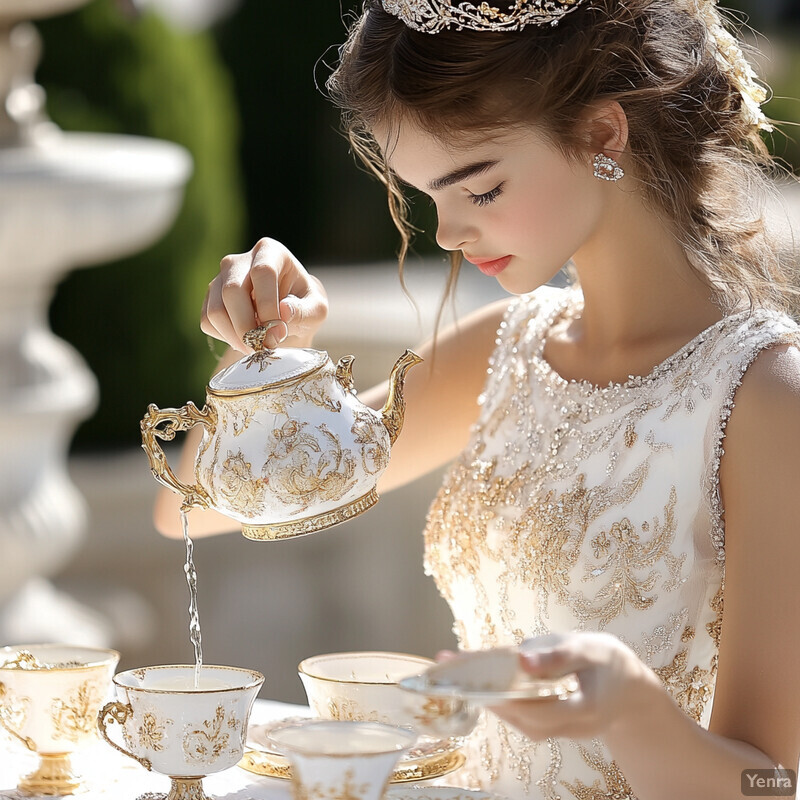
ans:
(194, 617)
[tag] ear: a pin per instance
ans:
(607, 128)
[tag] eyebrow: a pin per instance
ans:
(461, 174)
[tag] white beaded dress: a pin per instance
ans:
(577, 507)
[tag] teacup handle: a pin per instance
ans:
(176, 419)
(119, 713)
(26, 740)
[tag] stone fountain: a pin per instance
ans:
(67, 200)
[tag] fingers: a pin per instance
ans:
(544, 718)
(215, 320)
(264, 285)
(556, 655)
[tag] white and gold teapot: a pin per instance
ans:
(287, 448)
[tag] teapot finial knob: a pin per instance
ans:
(257, 337)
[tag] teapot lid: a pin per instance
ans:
(265, 369)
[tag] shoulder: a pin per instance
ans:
(768, 398)
(760, 467)
(759, 480)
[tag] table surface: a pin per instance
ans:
(112, 776)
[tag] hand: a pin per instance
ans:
(614, 685)
(268, 283)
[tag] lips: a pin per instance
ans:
(490, 266)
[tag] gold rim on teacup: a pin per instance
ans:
(408, 737)
(61, 666)
(304, 666)
(255, 679)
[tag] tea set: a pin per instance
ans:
(287, 450)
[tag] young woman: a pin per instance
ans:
(623, 498)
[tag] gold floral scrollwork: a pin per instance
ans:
(434, 708)
(349, 790)
(301, 472)
(203, 744)
(367, 430)
(13, 715)
(151, 732)
(73, 716)
(23, 659)
(341, 708)
(243, 491)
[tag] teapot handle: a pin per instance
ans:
(176, 419)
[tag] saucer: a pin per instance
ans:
(428, 758)
(487, 678)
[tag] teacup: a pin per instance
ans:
(49, 698)
(179, 730)
(351, 760)
(363, 687)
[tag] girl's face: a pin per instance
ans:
(513, 205)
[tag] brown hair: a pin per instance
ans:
(695, 153)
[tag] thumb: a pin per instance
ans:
(288, 308)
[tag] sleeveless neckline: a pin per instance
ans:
(571, 303)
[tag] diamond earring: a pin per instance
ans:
(606, 169)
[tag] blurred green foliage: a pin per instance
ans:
(136, 321)
(302, 186)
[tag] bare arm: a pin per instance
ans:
(755, 721)
(441, 397)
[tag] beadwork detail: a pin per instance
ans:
(433, 16)
(582, 507)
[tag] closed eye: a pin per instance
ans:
(488, 197)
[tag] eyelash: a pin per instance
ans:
(489, 197)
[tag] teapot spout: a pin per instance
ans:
(394, 410)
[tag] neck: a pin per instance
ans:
(637, 282)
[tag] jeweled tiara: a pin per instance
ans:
(433, 16)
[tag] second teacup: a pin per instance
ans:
(49, 697)
(363, 687)
(341, 759)
(174, 728)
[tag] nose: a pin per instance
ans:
(454, 233)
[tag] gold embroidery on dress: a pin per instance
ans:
(659, 640)
(615, 788)
(549, 497)
(691, 688)
(627, 554)
(548, 782)
(714, 627)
